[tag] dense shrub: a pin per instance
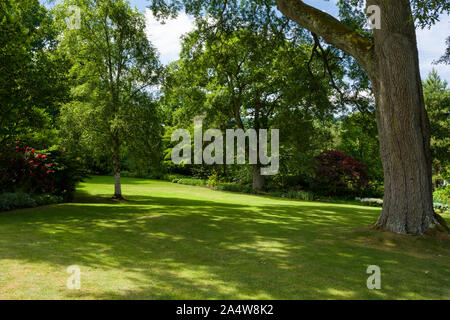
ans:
(46, 199)
(11, 201)
(214, 179)
(24, 169)
(302, 195)
(233, 187)
(288, 181)
(152, 176)
(174, 177)
(442, 195)
(177, 178)
(371, 201)
(68, 171)
(441, 207)
(441, 198)
(192, 182)
(338, 174)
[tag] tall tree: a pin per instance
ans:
(391, 61)
(246, 81)
(32, 75)
(390, 58)
(437, 102)
(113, 65)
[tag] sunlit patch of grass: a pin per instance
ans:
(171, 241)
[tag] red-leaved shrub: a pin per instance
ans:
(23, 169)
(337, 173)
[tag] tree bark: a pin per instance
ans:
(258, 179)
(116, 167)
(393, 65)
(403, 124)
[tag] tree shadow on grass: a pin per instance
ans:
(179, 248)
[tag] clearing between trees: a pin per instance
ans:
(170, 241)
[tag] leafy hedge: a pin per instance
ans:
(12, 201)
(233, 187)
(175, 178)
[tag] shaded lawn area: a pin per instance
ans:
(173, 241)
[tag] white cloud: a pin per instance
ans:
(167, 37)
(431, 44)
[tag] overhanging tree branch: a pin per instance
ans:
(331, 30)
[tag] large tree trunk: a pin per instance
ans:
(258, 179)
(393, 66)
(116, 167)
(403, 124)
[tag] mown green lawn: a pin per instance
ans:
(173, 241)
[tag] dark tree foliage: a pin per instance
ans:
(338, 173)
(358, 137)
